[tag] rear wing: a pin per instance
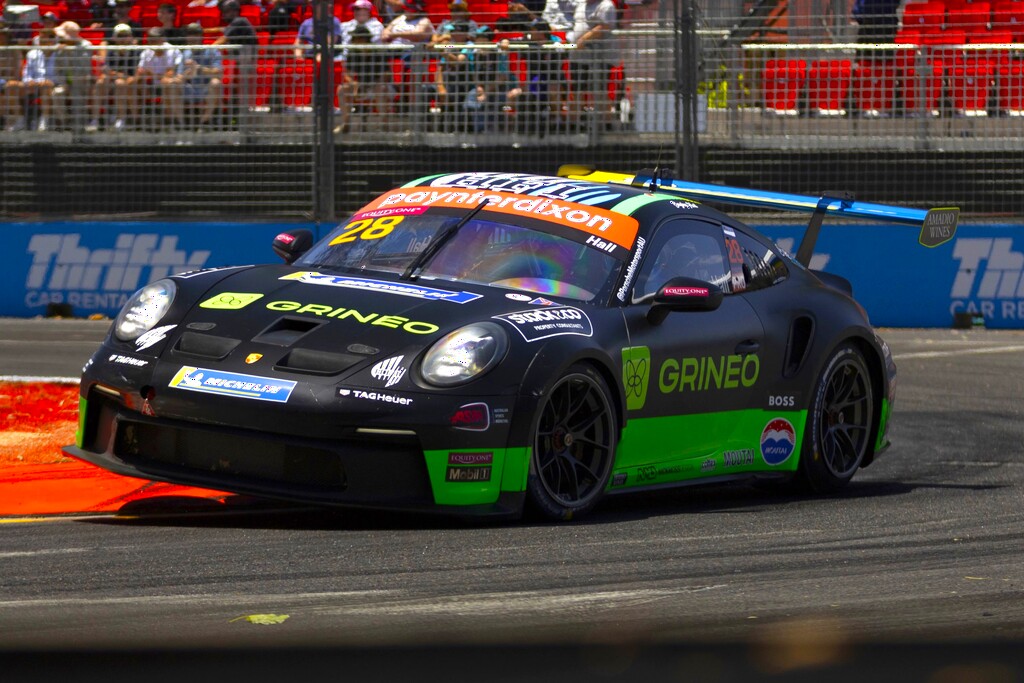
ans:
(938, 226)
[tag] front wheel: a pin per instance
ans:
(573, 445)
(838, 430)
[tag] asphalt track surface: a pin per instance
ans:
(914, 572)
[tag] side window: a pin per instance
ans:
(683, 248)
(762, 266)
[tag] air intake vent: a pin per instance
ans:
(317, 362)
(800, 335)
(205, 345)
(287, 331)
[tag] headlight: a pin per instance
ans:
(464, 354)
(144, 310)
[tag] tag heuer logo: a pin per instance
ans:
(389, 371)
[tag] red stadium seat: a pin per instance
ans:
(253, 13)
(1010, 89)
(828, 84)
(208, 17)
(874, 90)
(969, 86)
(783, 83)
(969, 17)
(1008, 15)
(925, 17)
(294, 83)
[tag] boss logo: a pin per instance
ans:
(781, 401)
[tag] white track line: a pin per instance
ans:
(30, 378)
(959, 352)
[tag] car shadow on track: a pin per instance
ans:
(249, 512)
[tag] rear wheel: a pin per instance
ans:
(573, 445)
(839, 425)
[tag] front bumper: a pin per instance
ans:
(321, 448)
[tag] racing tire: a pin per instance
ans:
(838, 432)
(574, 441)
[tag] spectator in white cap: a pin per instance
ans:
(116, 79)
(362, 15)
(73, 65)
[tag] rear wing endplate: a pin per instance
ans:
(938, 226)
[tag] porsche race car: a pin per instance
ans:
(489, 343)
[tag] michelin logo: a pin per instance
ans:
(64, 271)
(988, 279)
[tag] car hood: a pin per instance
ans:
(275, 309)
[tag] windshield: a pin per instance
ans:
(482, 251)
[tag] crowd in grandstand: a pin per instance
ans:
(91, 65)
(474, 65)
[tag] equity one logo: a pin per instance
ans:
(101, 278)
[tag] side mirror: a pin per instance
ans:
(292, 244)
(683, 294)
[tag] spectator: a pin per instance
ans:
(39, 79)
(518, 20)
(411, 27)
(876, 23)
(167, 15)
(495, 87)
(159, 75)
(73, 64)
(10, 82)
(389, 10)
(560, 14)
(458, 12)
(362, 15)
(304, 40)
(544, 83)
(79, 11)
(280, 16)
(239, 31)
(203, 73)
(364, 78)
(117, 79)
(49, 20)
(454, 79)
(120, 13)
(590, 63)
(876, 20)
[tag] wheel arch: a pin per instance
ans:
(876, 373)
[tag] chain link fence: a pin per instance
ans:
(108, 125)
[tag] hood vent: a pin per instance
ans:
(317, 362)
(205, 345)
(286, 331)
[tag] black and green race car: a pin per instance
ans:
(487, 343)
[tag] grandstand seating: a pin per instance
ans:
(874, 88)
(969, 86)
(925, 17)
(970, 18)
(1010, 89)
(1008, 15)
(828, 84)
(783, 82)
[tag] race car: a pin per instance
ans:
(493, 343)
